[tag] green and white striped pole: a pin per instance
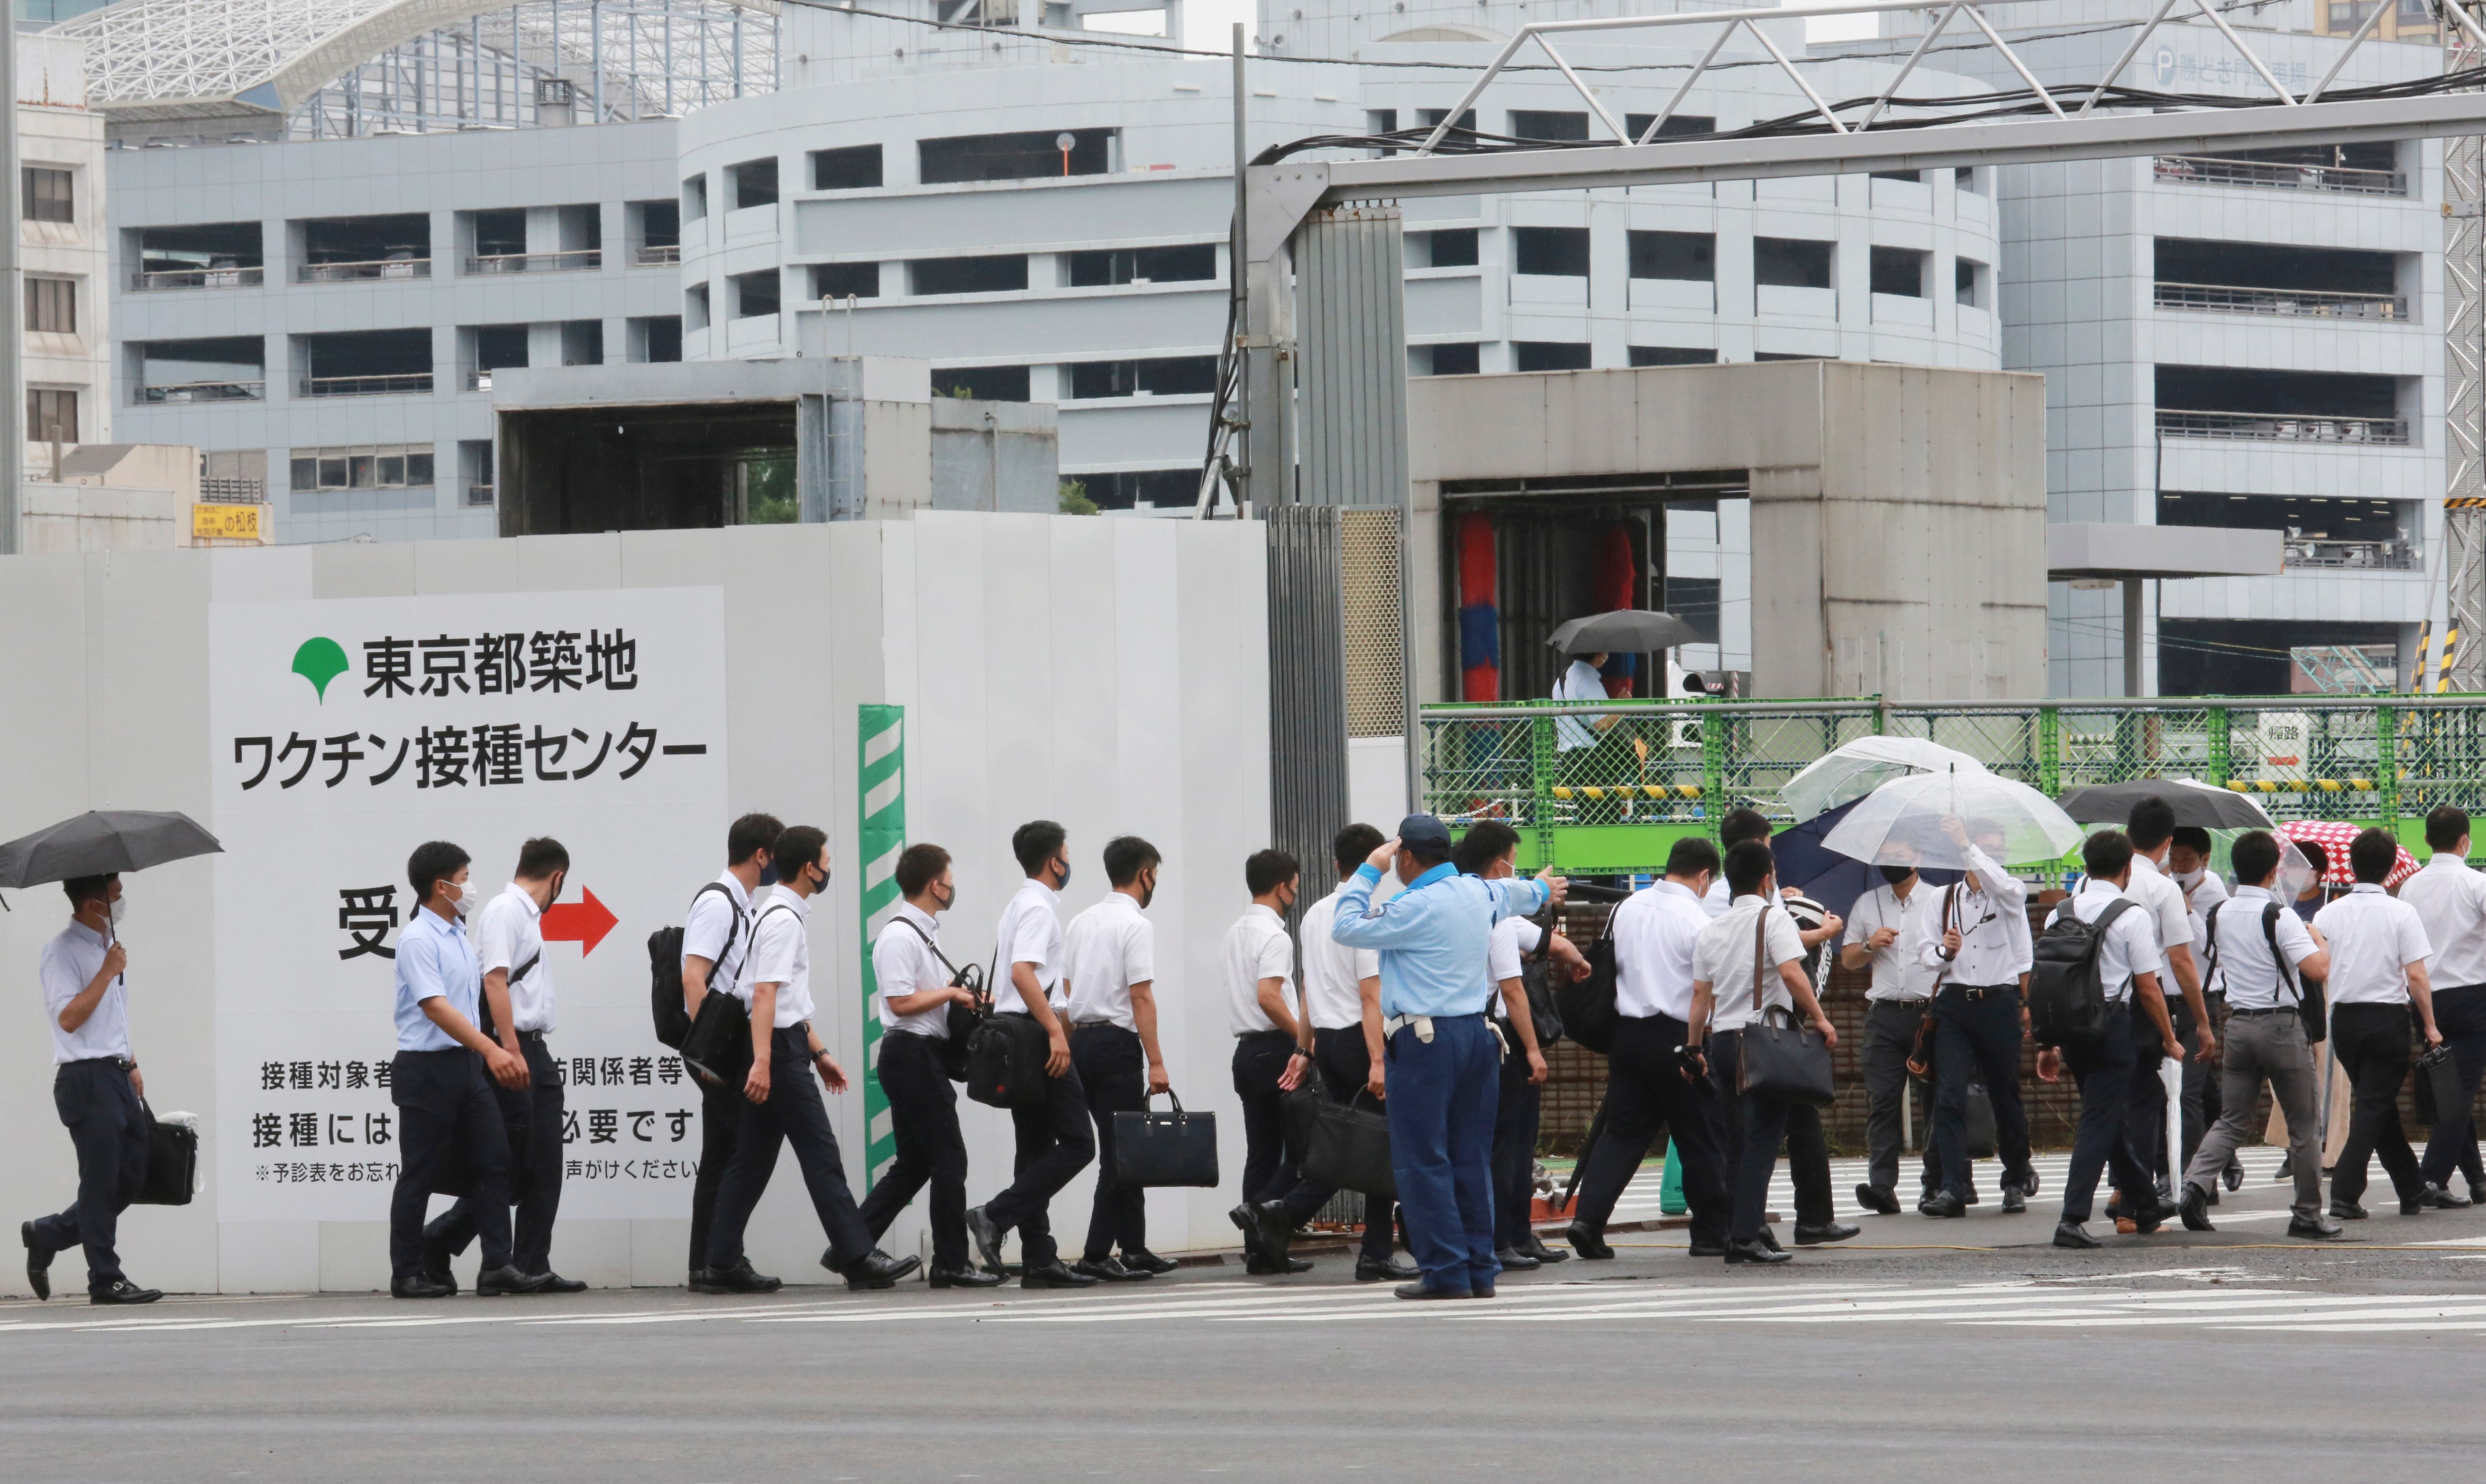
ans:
(880, 836)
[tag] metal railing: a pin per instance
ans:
(2282, 428)
(353, 272)
(223, 489)
(203, 392)
(1606, 769)
(2393, 556)
(2213, 170)
(478, 494)
(196, 278)
(2311, 303)
(366, 386)
(536, 263)
(659, 256)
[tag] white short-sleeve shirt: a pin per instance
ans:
(2131, 944)
(1724, 956)
(2247, 973)
(509, 933)
(1334, 974)
(2158, 893)
(1580, 682)
(1030, 933)
(780, 954)
(2450, 902)
(903, 963)
(1255, 949)
(2373, 937)
(1654, 931)
(1512, 939)
(1105, 951)
(718, 929)
(1898, 973)
(70, 962)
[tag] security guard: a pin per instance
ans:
(782, 1104)
(437, 1083)
(97, 1088)
(716, 940)
(518, 1000)
(1108, 973)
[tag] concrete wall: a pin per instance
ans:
(1111, 674)
(1897, 514)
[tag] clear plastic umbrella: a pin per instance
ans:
(1927, 818)
(1854, 769)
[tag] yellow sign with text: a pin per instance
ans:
(224, 522)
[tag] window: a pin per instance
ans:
(1141, 265)
(1965, 179)
(845, 280)
(51, 305)
(659, 338)
(383, 466)
(1188, 375)
(51, 417)
(2346, 15)
(855, 169)
(1672, 355)
(968, 275)
(49, 194)
(1551, 126)
(1430, 117)
(1133, 489)
(1790, 355)
(1791, 262)
(755, 293)
(499, 234)
(753, 183)
(1681, 125)
(693, 198)
(1549, 355)
(1555, 250)
(1029, 156)
(985, 383)
(497, 345)
(1695, 600)
(1968, 280)
(1456, 360)
(1453, 247)
(1912, 177)
(1681, 254)
(1900, 271)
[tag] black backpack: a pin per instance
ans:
(2067, 1004)
(1005, 1056)
(665, 974)
(1586, 1007)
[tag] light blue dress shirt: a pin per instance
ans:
(433, 960)
(1432, 936)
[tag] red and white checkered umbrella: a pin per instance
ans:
(2334, 837)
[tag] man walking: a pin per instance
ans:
(2188, 867)
(2127, 969)
(716, 941)
(782, 1104)
(1441, 1056)
(1272, 1049)
(1975, 939)
(519, 1007)
(2450, 902)
(2378, 953)
(2151, 829)
(1342, 999)
(1883, 940)
(97, 1088)
(1109, 977)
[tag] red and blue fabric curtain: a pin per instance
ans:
(1479, 614)
(1616, 585)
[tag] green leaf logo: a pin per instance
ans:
(320, 660)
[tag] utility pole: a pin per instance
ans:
(12, 304)
(2463, 663)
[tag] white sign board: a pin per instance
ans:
(346, 732)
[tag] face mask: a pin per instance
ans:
(554, 895)
(2188, 879)
(945, 903)
(465, 898)
(1063, 885)
(118, 910)
(1149, 891)
(768, 874)
(1894, 875)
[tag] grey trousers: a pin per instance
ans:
(1890, 1034)
(2266, 1047)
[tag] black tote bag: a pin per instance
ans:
(171, 1163)
(1351, 1148)
(2438, 1086)
(1175, 1148)
(1785, 1061)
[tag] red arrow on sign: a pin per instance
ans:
(582, 923)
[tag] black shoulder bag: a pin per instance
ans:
(665, 973)
(1536, 971)
(718, 1049)
(1783, 1061)
(962, 1020)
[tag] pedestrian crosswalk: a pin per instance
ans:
(1639, 1199)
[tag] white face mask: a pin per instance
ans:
(116, 911)
(2188, 879)
(465, 897)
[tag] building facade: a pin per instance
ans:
(64, 246)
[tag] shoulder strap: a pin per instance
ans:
(522, 970)
(910, 925)
(733, 930)
(2286, 970)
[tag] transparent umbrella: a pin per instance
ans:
(1910, 821)
(1854, 769)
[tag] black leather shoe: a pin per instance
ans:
(1770, 1239)
(1107, 1269)
(1421, 1291)
(1755, 1252)
(2073, 1235)
(435, 1257)
(2313, 1228)
(962, 1278)
(506, 1280)
(2441, 1199)
(1941, 1203)
(39, 1261)
(2286, 1169)
(1534, 1247)
(1970, 1199)
(554, 1283)
(2157, 1216)
(2013, 1201)
(2233, 1176)
(1055, 1274)
(1700, 1249)
(1274, 1229)
(418, 1287)
(1513, 1260)
(1807, 1235)
(1586, 1243)
(1261, 1267)
(2195, 1208)
(1241, 1216)
(1145, 1261)
(2209, 1196)
(2476, 1194)
(2028, 1181)
(877, 1270)
(1481, 1291)
(2346, 1211)
(2416, 1207)
(739, 1279)
(1373, 1270)
(989, 1238)
(1878, 1199)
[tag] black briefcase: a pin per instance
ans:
(1351, 1148)
(2438, 1086)
(718, 1048)
(1175, 1148)
(1302, 1106)
(171, 1163)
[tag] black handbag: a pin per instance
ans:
(1351, 1148)
(2438, 1086)
(1543, 1014)
(962, 1019)
(1586, 1007)
(718, 1048)
(1783, 1061)
(1175, 1148)
(1006, 1057)
(1302, 1106)
(172, 1162)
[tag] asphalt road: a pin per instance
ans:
(1924, 1350)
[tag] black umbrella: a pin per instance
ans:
(99, 842)
(1623, 631)
(2204, 805)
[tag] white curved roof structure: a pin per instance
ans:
(207, 58)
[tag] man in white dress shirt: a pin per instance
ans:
(2188, 865)
(1109, 957)
(1881, 936)
(2378, 956)
(2151, 829)
(2450, 902)
(1976, 938)
(1273, 1046)
(716, 939)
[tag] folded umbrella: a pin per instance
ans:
(1623, 631)
(1902, 822)
(1854, 769)
(100, 843)
(2195, 802)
